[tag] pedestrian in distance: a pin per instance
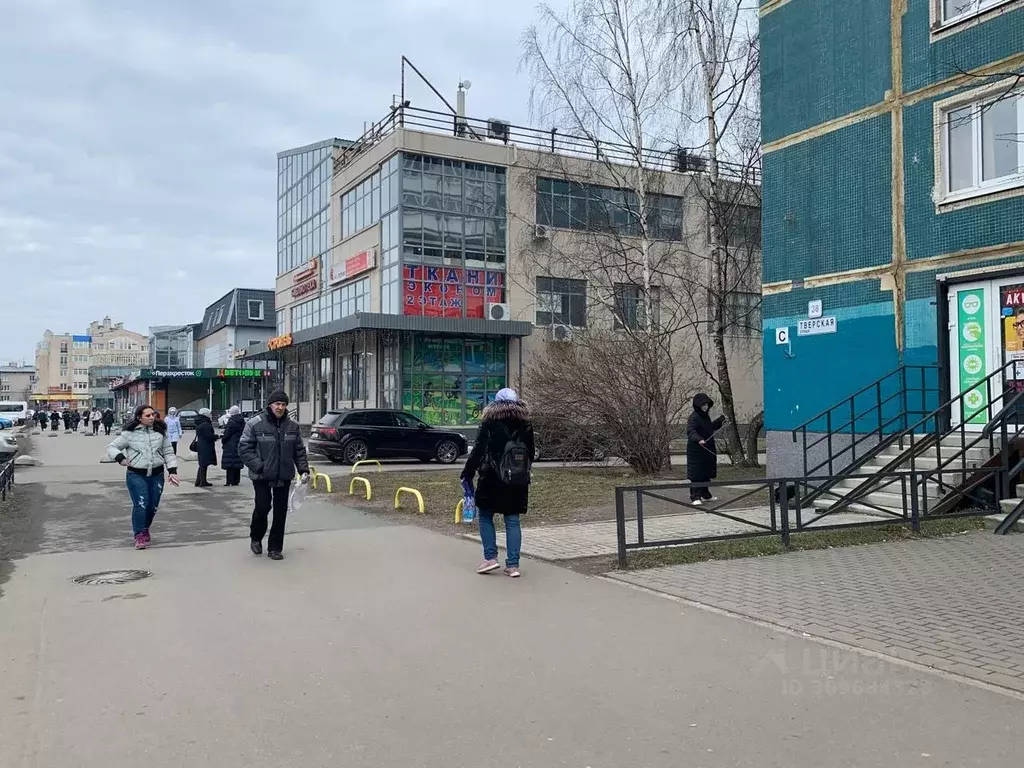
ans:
(205, 447)
(108, 420)
(54, 421)
(701, 453)
(230, 461)
(502, 457)
(42, 417)
(174, 431)
(144, 450)
(272, 449)
(95, 417)
(66, 418)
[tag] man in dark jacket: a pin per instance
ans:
(272, 449)
(504, 429)
(701, 454)
(108, 420)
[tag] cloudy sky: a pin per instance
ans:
(138, 139)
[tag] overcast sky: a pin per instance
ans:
(138, 140)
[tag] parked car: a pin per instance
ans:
(557, 438)
(6, 423)
(188, 419)
(351, 436)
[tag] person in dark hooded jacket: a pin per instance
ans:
(230, 461)
(504, 420)
(701, 454)
(206, 447)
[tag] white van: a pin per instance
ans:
(15, 410)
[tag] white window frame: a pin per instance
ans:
(978, 99)
(980, 11)
(248, 308)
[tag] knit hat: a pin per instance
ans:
(506, 395)
(277, 396)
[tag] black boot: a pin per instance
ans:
(275, 555)
(256, 547)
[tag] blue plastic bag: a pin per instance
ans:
(468, 502)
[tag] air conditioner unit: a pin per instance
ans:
(540, 232)
(689, 161)
(498, 129)
(498, 312)
(561, 333)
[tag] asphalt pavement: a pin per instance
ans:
(375, 644)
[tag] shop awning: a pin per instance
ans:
(412, 323)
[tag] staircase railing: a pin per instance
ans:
(926, 433)
(892, 401)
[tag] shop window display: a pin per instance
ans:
(448, 381)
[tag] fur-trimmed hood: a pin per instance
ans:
(506, 411)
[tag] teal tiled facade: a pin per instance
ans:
(828, 198)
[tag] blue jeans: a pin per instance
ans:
(513, 538)
(145, 492)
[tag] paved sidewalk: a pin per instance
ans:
(376, 645)
(569, 542)
(955, 604)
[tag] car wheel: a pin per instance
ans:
(357, 450)
(447, 452)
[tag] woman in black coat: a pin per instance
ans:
(229, 458)
(205, 447)
(504, 420)
(108, 420)
(701, 455)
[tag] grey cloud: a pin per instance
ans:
(138, 140)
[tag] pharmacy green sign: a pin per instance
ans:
(972, 345)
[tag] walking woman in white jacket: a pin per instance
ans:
(145, 449)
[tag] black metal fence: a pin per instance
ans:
(775, 507)
(6, 478)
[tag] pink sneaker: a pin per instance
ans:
(512, 573)
(147, 537)
(140, 541)
(487, 566)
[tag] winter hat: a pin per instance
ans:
(277, 396)
(233, 410)
(506, 395)
(204, 411)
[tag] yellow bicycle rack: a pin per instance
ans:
(367, 461)
(413, 492)
(365, 482)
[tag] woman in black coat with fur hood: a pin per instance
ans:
(502, 456)
(230, 461)
(701, 454)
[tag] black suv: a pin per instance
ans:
(351, 436)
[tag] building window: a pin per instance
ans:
(741, 225)
(562, 302)
(449, 380)
(983, 150)
(593, 208)
(280, 322)
(954, 11)
(630, 311)
(255, 309)
(743, 313)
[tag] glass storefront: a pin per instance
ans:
(447, 380)
(303, 200)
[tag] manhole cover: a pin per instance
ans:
(111, 577)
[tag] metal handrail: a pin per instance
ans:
(849, 404)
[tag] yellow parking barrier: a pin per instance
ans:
(364, 481)
(367, 461)
(414, 492)
(318, 476)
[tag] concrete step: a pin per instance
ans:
(823, 504)
(992, 521)
(930, 462)
(893, 485)
(973, 454)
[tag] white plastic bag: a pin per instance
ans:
(297, 496)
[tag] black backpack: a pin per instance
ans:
(513, 467)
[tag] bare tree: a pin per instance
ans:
(607, 76)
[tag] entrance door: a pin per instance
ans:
(986, 333)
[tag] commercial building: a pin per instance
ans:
(17, 382)
(893, 207)
(173, 346)
(193, 388)
(241, 319)
(439, 255)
